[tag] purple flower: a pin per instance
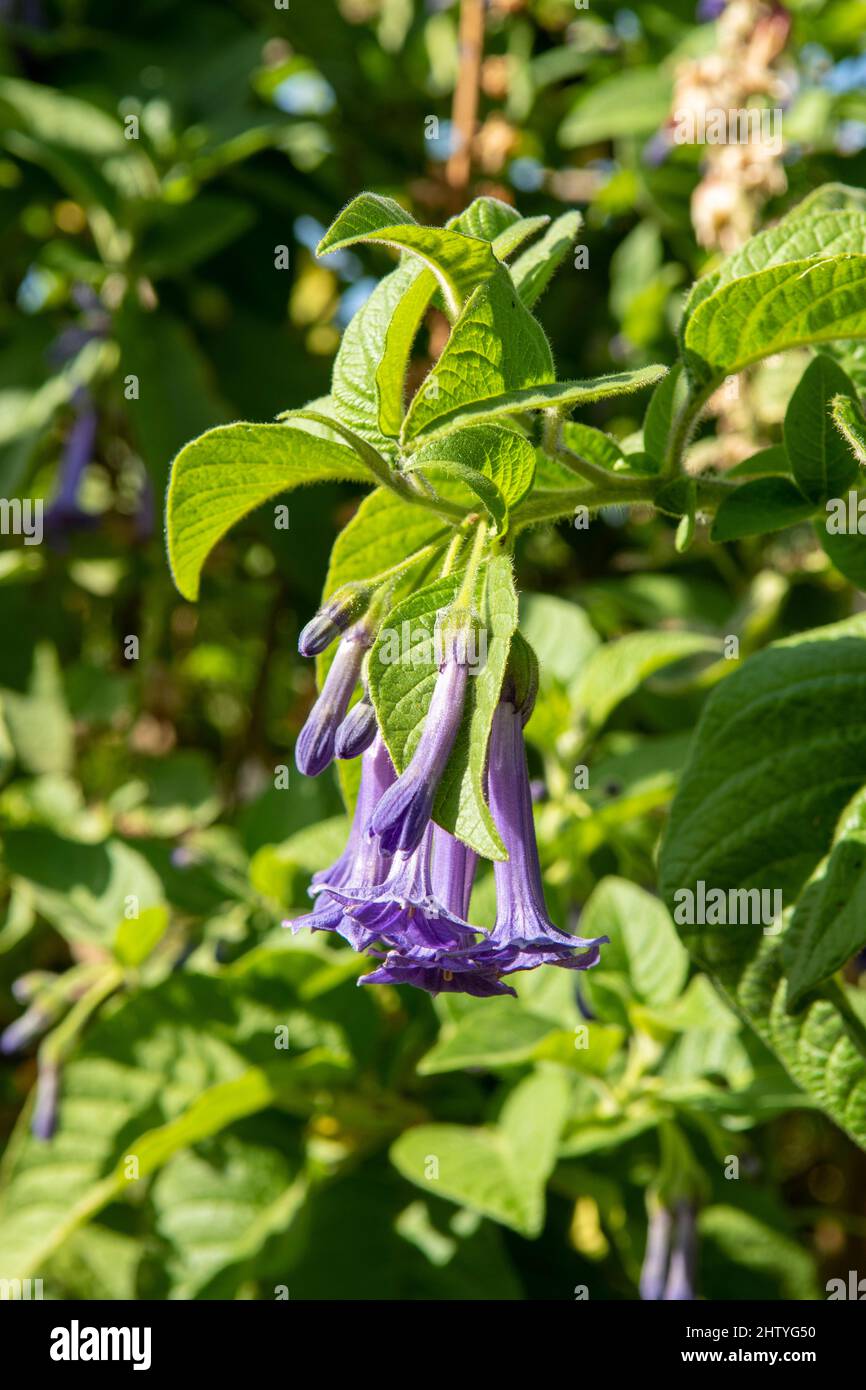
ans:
(314, 750)
(343, 608)
(460, 976)
(523, 930)
(357, 730)
(404, 812)
(453, 871)
(710, 9)
(44, 1119)
(360, 864)
(668, 1273)
(404, 911)
(63, 514)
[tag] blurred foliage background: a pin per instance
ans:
(165, 170)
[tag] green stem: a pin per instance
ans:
(467, 588)
(683, 427)
(58, 1043)
(592, 472)
(451, 553)
(552, 505)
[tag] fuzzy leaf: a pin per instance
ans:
(561, 394)
(536, 267)
(808, 232)
(401, 690)
(779, 751)
(821, 460)
(459, 262)
(502, 455)
(760, 505)
(785, 306)
(228, 472)
(851, 424)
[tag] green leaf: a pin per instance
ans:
(370, 366)
(399, 337)
(766, 463)
(756, 1246)
(851, 424)
(229, 1212)
(615, 670)
(593, 445)
(148, 1081)
(38, 721)
(459, 262)
(495, 347)
(810, 230)
(503, 456)
(760, 505)
(667, 398)
(136, 937)
(83, 890)
(222, 476)
(784, 306)
(491, 1038)
(561, 394)
(492, 220)
(484, 489)
(486, 218)
(401, 689)
(498, 1171)
(536, 267)
(778, 752)
(634, 102)
(461, 806)
(821, 461)
(829, 923)
(560, 633)
(644, 947)
(846, 549)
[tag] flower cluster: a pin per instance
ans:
(716, 97)
(400, 890)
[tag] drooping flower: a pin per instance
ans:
(357, 730)
(314, 750)
(360, 865)
(344, 607)
(523, 927)
(404, 812)
(460, 975)
(403, 910)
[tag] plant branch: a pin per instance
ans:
(464, 109)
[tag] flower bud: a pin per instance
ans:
(345, 606)
(357, 730)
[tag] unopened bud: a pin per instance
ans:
(345, 606)
(357, 730)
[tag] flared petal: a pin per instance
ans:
(522, 921)
(404, 812)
